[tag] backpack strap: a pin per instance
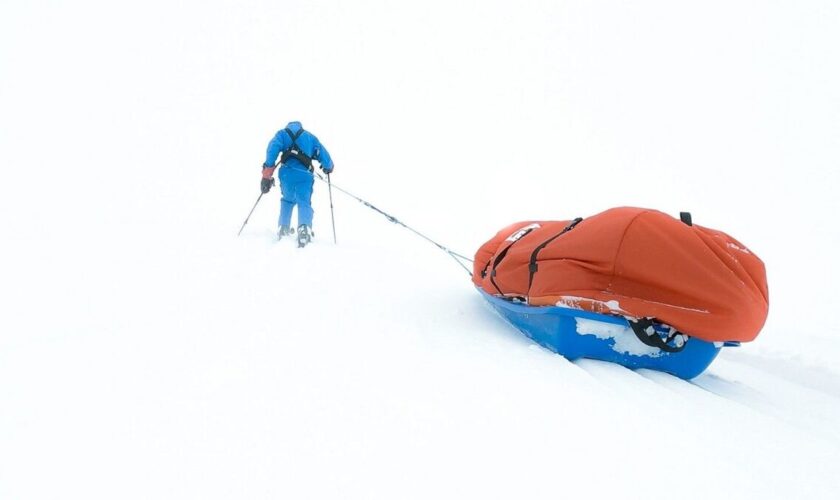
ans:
(293, 136)
(294, 150)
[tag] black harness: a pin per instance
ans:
(294, 150)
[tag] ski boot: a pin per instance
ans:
(284, 231)
(305, 235)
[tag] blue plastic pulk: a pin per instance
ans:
(574, 334)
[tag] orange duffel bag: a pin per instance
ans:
(632, 262)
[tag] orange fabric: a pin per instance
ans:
(635, 262)
(267, 172)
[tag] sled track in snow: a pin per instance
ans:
(777, 389)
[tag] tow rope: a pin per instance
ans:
(455, 256)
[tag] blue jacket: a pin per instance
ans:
(308, 144)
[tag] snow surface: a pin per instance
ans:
(147, 352)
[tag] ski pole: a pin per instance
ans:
(332, 215)
(255, 203)
(249, 215)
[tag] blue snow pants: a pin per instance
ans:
(296, 189)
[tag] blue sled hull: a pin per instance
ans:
(582, 334)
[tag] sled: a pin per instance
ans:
(630, 285)
(576, 334)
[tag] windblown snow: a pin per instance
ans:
(147, 352)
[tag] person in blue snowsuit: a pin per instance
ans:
(298, 147)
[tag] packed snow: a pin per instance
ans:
(146, 351)
(624, 340)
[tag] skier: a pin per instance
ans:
(299, 148)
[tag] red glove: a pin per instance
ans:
(267, 180)
(268, 172)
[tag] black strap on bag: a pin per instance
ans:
(532, 265)
(515, 237)
(645, 331)
(294, 150)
